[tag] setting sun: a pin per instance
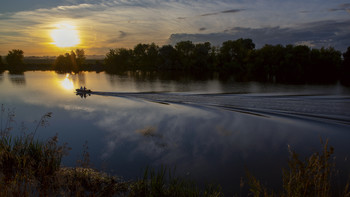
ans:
(65, 35)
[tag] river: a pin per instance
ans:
(211, 130)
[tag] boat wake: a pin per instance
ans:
(330, 108)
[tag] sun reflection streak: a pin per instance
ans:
(67, 83)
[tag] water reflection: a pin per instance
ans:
(83, 95)
(213, 83)
(16, 71)
(67, 83)
(17, 79)
(206, 139)
(73, 80)
(79, 79)
(2, 76)
(164, 81)
(206, 144)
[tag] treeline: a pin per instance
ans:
(239, 58)
(234, 58)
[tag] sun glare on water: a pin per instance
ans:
(67, 83)
(65, 35)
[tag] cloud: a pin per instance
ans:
(121, 23)
(119, 38)
(232, 11)
(341, 7)
(209, 14)
(122, 35)
(215, 13)
(317, 34)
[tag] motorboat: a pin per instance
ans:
(83, 91)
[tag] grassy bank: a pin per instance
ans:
(32, 168)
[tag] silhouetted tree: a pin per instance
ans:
(185, 49)
(120, 59)
(2, 66)
(265, 62)
(66, 63)
(1, 63)
(235, 56)
(168, 59)
(14, 60)
(345, 68)
(326, 63)
(146, 56)
(80, 58)
(61, 63)
(213, 58)
(200, 57)
(292, 66)
(152, 56)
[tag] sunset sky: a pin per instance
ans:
(52, 27)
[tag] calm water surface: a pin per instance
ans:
(210, 130)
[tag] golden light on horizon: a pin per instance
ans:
(65, 35)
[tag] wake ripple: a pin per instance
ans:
(333, 108)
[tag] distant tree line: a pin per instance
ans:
(239, 58)
(234, 58)
(69, 62)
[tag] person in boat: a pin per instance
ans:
(81, 87)
(84, 88)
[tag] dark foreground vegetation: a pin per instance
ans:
(29, 167)
(238, 59)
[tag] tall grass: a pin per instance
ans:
(313, 176)
(164, 183)
(27, 166)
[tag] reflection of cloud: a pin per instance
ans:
(153, 142)
(153, 138)
(224, 132)
(148, 132)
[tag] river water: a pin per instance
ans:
(212, 131)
